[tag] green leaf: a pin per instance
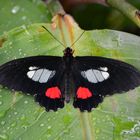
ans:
(118, 117)
(17, 12)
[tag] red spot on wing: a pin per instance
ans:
(83, 93)
(53, 92)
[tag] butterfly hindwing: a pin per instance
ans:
(52, 99)
(39, 76)
(85, 99)
(102, 76)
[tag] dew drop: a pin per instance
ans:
(3, 122)
(97, 131)
(24, 126)
(15, 58)
(23, 27)
(48, 135)
(0, 102)
(56, 112)
(5, 51)
(13, 124)
(96, 137)
(65, 131)
(22, 117)
(41, 124)
(49, 127)
(71, 136)
(11, 132)
(94, 119)
(24, 18)
(48, 119)
(15, 9)
(25, 102)
(20, 50)
(15, 113)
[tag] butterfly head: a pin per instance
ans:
(68, 52)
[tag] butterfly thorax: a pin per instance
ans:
(68, 58)
(68, 52)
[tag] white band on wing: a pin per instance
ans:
(40, 75)
(96, 75)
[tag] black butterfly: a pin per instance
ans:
(53, 80)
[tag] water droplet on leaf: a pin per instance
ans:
(49, 127)
(0, 102)
(15, 113)
(24, 18)
(25, 102)
(13, 124)
(42, 125)
(22, 117)
(3, 122)
(15, 9)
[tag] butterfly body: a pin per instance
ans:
(55, 80)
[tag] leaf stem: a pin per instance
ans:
(127, 9)
(87, 127)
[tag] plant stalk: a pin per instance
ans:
(88, 133)
(127, 9)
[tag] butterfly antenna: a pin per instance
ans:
(53, 36)
(77, 39)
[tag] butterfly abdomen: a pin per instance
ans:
(68, 86)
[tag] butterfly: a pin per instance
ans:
(54, 80)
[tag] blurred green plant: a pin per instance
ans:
(107, 14)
